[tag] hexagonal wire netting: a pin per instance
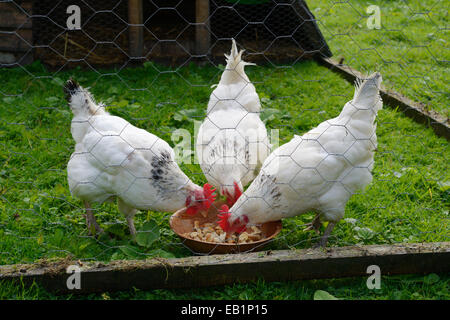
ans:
(166, 91)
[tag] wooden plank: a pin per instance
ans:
(202, 34)
(16, 41)
(135, 29)
(411, 109)
(200, 271)
(11, 59)
(11, 16)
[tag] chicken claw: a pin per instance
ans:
(91, 222)
(314, 225)
(324, 239)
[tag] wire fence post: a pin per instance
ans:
(202, 34)
(136, 34)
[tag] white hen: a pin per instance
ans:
(114, 159)
(318, 171)
(232, 141)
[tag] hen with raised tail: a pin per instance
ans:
(232, 141)
(318, 171)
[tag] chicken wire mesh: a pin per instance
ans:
(271, 32)
(407, 200)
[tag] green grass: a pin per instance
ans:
(410, 49)
(408, 200)
(411, 287)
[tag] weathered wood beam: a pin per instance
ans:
(16, 35)
(200, 271)
(411, 109)
(11, 16)
(202, 35)
(135, 29)
(16, 41)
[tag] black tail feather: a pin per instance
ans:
(71, 88)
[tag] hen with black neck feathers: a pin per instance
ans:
(114, 159)
(317, 172)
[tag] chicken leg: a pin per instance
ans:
(314, 225)
(91, 222)
(129, 213)
(324, 239)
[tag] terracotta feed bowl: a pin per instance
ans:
(182, 223)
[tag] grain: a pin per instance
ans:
(211, 232)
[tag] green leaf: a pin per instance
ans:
(113, 90)
(122, 103)
(178, 117)
(134, 106)
(52, 100)
(116, 256)
(130, 251)
(148, 234)
(268, 114)
(444, 186)
(8, 99)
(83, 246)
(266, 100)
(116, 229)
(188, 114)
(58, 81)
(162, 253)
(364, 233)
(431, 278)
(323, 295)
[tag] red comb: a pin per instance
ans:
(237, 193)
(223, 216)
(209, 194)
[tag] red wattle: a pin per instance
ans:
(223, 216)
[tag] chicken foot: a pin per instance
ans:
(91, 222)
(324, 239)
(314, 225)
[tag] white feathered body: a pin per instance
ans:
(113, 158)
(318, 171)
(232, 141)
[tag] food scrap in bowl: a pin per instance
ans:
(211, 232)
